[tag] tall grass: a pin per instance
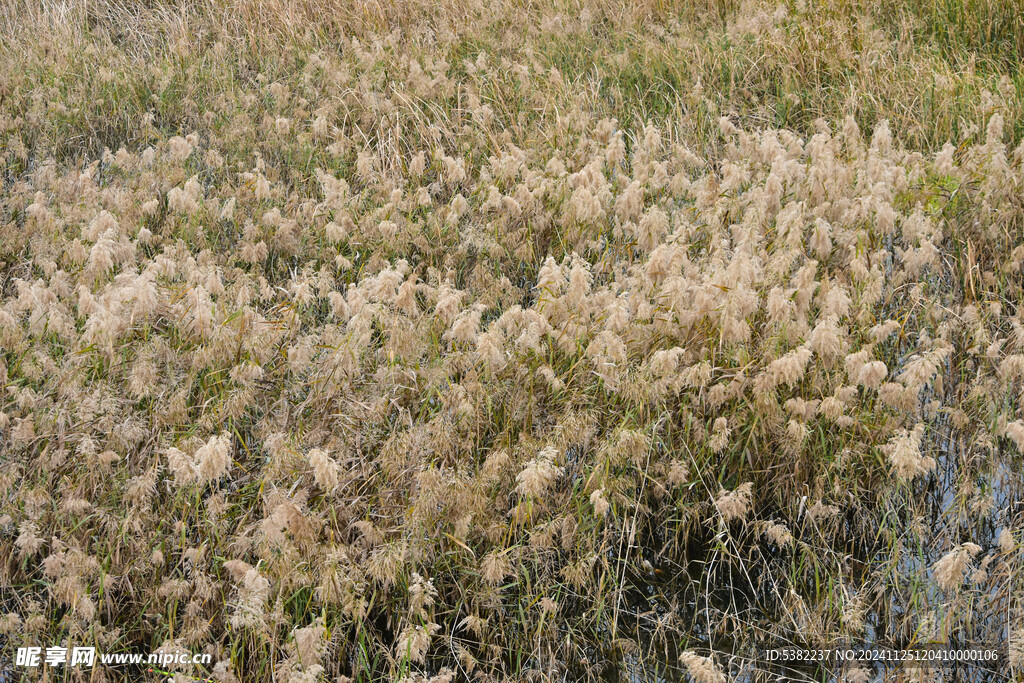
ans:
(985, 29)
(542, 340)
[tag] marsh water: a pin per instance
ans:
(691, 590)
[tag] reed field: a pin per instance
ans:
(511, 340)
